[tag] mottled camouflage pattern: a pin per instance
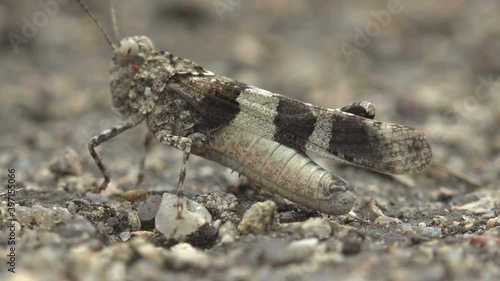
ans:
(262, 135)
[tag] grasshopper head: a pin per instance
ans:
(128, 59)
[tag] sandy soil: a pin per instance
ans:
(433, 67)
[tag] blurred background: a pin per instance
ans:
(433, 65)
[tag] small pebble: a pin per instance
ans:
(134, 195)
(228, 231)
(385, 220)
(186, 256)
(134, 221)
(259, 219)
(316, 227)
(194, 215)
(148, 208)
(431, 232)
(369, 209)
(66, 165)
(493, 223)
(227, 239)
(304, 248)
(124, 236)
(438, 220)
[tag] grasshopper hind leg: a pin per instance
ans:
(363, 109)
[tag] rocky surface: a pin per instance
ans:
(431, 66)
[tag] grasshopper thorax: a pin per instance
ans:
(128, 59)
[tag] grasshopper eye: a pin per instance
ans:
(132, 47)
(128, 48)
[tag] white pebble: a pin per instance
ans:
(303, 248)
(194, 215)
(124, 236)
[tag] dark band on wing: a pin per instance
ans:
(295, 122)
(351, 138)
(221, 99)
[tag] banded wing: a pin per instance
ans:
(330, 133)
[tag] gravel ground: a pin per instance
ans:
(428, 66)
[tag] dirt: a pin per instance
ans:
(430, 66)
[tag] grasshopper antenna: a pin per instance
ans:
(113, 19)
(110, 42)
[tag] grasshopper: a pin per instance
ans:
(261, 135)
